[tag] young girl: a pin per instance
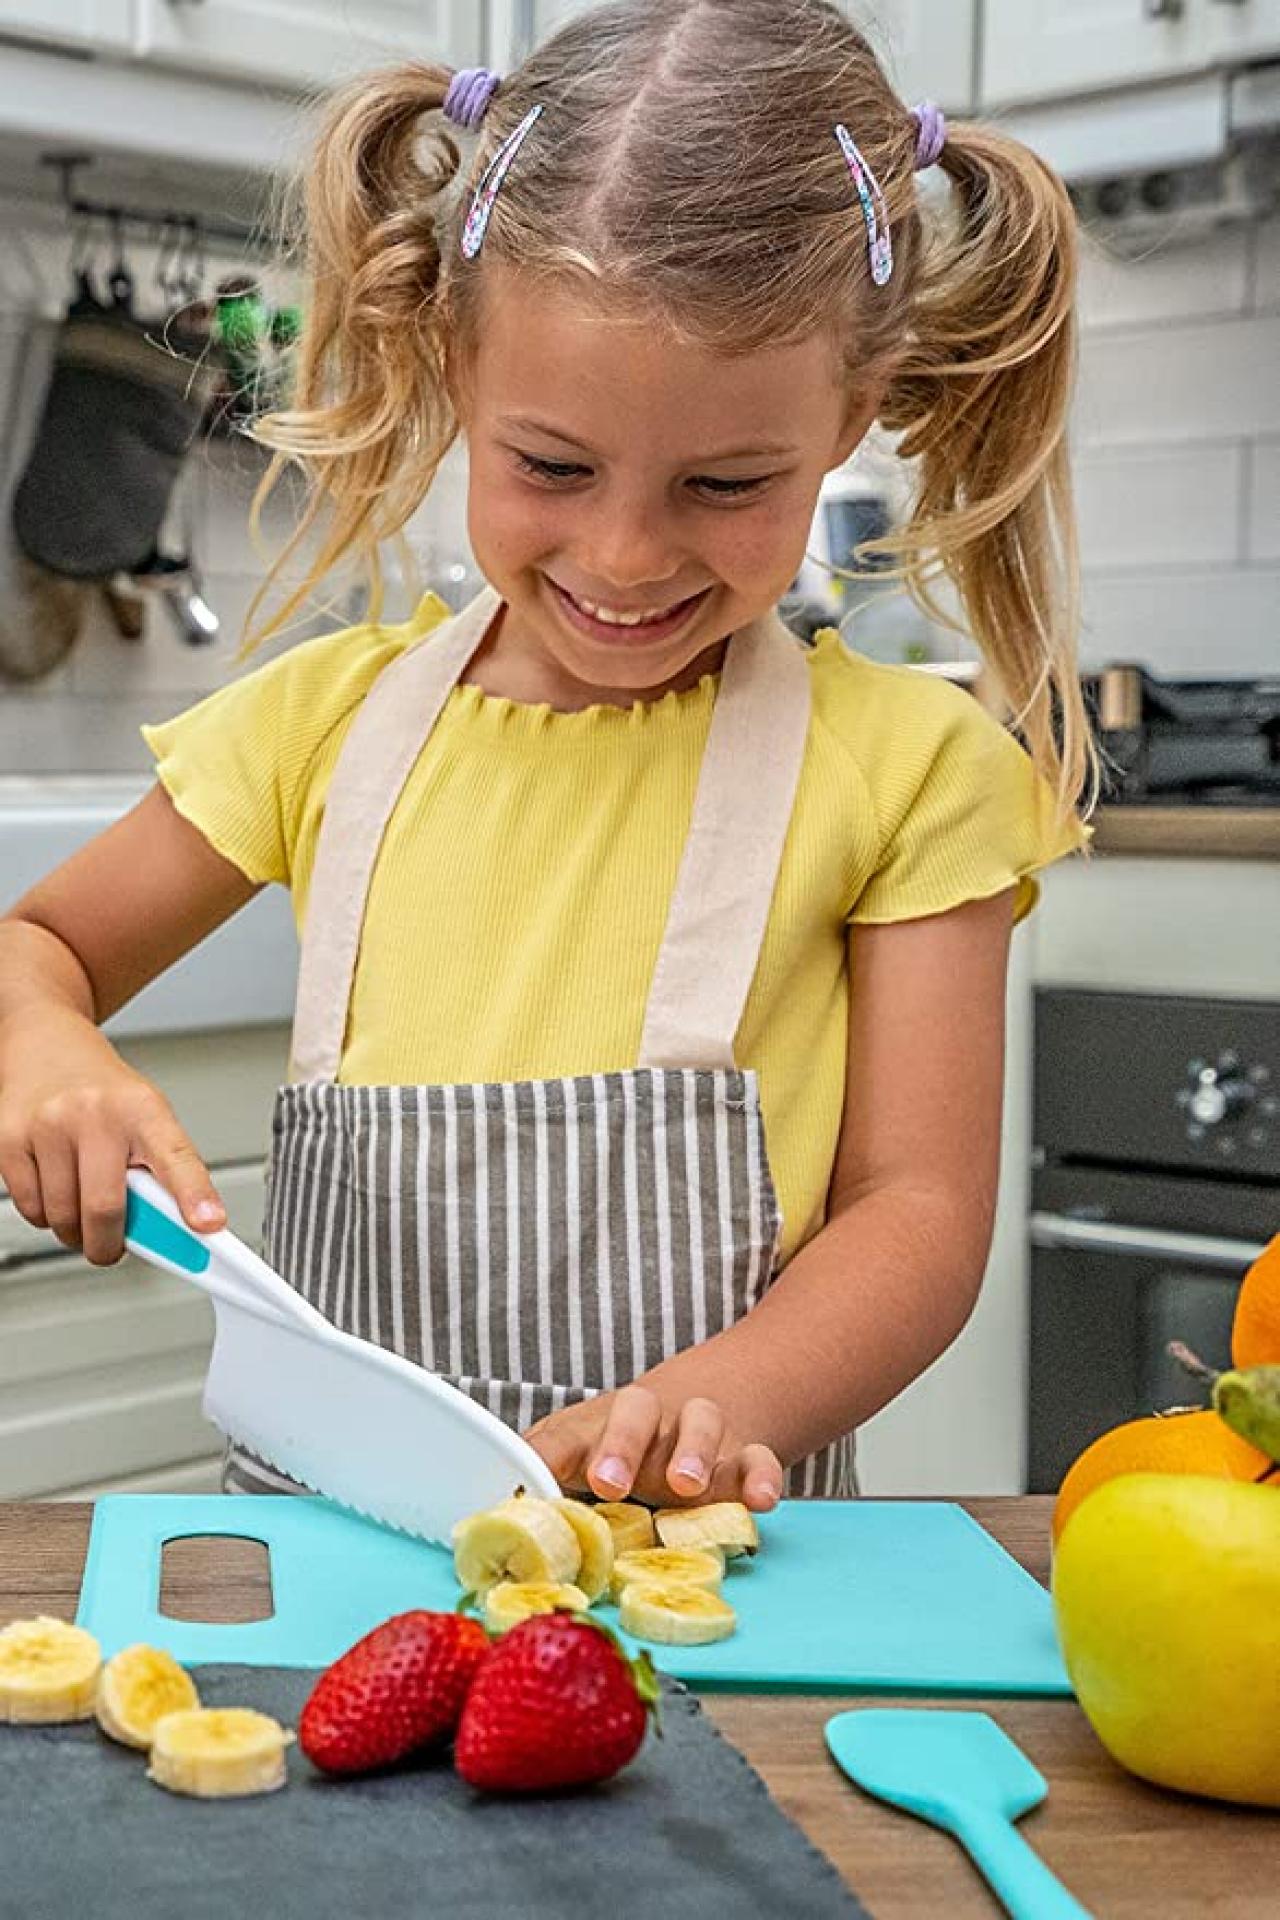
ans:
(607, 880)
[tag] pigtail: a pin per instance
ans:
(980, 396)
(371, 418)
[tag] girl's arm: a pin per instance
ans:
(886, 1285)
(80, 944)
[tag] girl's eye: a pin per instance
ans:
(553, 470)
(728, 489)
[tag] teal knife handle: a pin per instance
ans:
(151, 1231)
(1016, 1873)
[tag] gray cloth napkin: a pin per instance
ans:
(688, 1830)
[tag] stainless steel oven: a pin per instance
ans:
(1155, 1183)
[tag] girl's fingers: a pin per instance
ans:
(55, 1157)
(103, 1159)
(760, 1475)
(695, 1449)
(21, 1176)
(165, 1148)
(634, 1419)
(562, 1443)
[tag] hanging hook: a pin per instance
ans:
(120, 280)
(191, 282)
(84, 297)
(168, 274)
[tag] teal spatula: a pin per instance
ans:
(962, 1772)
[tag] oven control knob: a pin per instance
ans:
(1215, 1099)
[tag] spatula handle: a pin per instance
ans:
(1017, 1874)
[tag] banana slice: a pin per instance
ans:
(668, 1566)
(215, 1752)
(630, 1524)
(595, 1543)
(137, 1687)
(725, 1524)
(48, 1671)
(673, 1615)
(520, 1539)
(512, 1601)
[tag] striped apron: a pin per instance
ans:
(536, 1242)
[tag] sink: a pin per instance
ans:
(242, 975)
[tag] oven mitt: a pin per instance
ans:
(123, 407)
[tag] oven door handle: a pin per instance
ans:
(1059, 1230)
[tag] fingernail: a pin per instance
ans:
(764, 1497)
(691, 1468)
(612, 1473)
(209, 1210)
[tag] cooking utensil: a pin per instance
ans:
(365, 1427)
(964, 1774)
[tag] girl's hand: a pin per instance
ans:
(623, 1445)
(73, 1118)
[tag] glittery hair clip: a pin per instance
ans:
(477, 221)
(874, 211)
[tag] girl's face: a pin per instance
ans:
(635, 499)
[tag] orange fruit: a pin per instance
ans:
(1176, 1443)
(1255, 1331)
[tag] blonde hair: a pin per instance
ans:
(686, 166)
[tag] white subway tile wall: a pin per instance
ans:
(1177, 456)
(1263, 528)
(1177, 444)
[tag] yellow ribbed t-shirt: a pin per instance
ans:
(522, 888)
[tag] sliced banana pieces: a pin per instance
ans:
(664, 1570)
(630, 1524)
(136, 1688)
(674, 1615)
(520, 1539)
(214, 1753)
(48, 1671)
(512, 1601)
(669, 1566)
(595, 1543)
(725, 1524)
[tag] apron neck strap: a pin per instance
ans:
(746, 789)
(724, 888)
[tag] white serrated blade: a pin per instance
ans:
(363, 1427)
(360, 1425)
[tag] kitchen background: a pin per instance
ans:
(1144, 993)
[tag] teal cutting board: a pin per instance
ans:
(904, 1596)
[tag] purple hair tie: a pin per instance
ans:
(931, 133)
(470, 91)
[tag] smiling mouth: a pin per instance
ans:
(646, 623)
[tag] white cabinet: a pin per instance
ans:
(305, 42)
(1041, 49)
(927, 46)
(1243, 29)
(515, 26)
(102, 1370)
(92, 23)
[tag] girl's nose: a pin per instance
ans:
(629, 549)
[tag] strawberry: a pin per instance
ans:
(397, 1690)
(556, 1704)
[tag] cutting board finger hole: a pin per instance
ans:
(236, 1572)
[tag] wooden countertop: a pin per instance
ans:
(1190, 833)
(1127, 1851)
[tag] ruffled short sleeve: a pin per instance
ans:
(960, 813)
(241, 765)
